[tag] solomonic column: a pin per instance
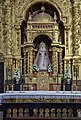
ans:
(25, 62)
(54, 59)
(30, 59)
(76, 27)
(60, 58)
(8, 27)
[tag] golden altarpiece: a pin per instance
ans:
(42, 29)
(25, 24)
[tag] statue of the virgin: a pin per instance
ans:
(42, 58)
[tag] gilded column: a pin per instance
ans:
(60, 57)
(25, 62)
(54, 59)
(76, 27)
(65, 65)
(13, 28)
(56, 29)
(69, 64)
(8, 27)
(30, 59)
(66, 40)
(1, 29)
(34, 56)
(18, 41)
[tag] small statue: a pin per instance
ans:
(42, 58)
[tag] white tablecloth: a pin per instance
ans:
(40, 95)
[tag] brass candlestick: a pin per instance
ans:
(64, 89)
(12, 88)
(76, 89)
(57, 89)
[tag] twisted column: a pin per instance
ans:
(60, 57)
(30, 59)
(76, 30)
(1, 26)
(25, 62)
(66, 39)
(18, 41)
(8, 28)
(53, 56)
(65, 65)
(54, 59)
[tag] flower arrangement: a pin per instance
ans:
(50, 69)
(35, 69)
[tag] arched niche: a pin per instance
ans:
(35, 7)
(47, 40)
